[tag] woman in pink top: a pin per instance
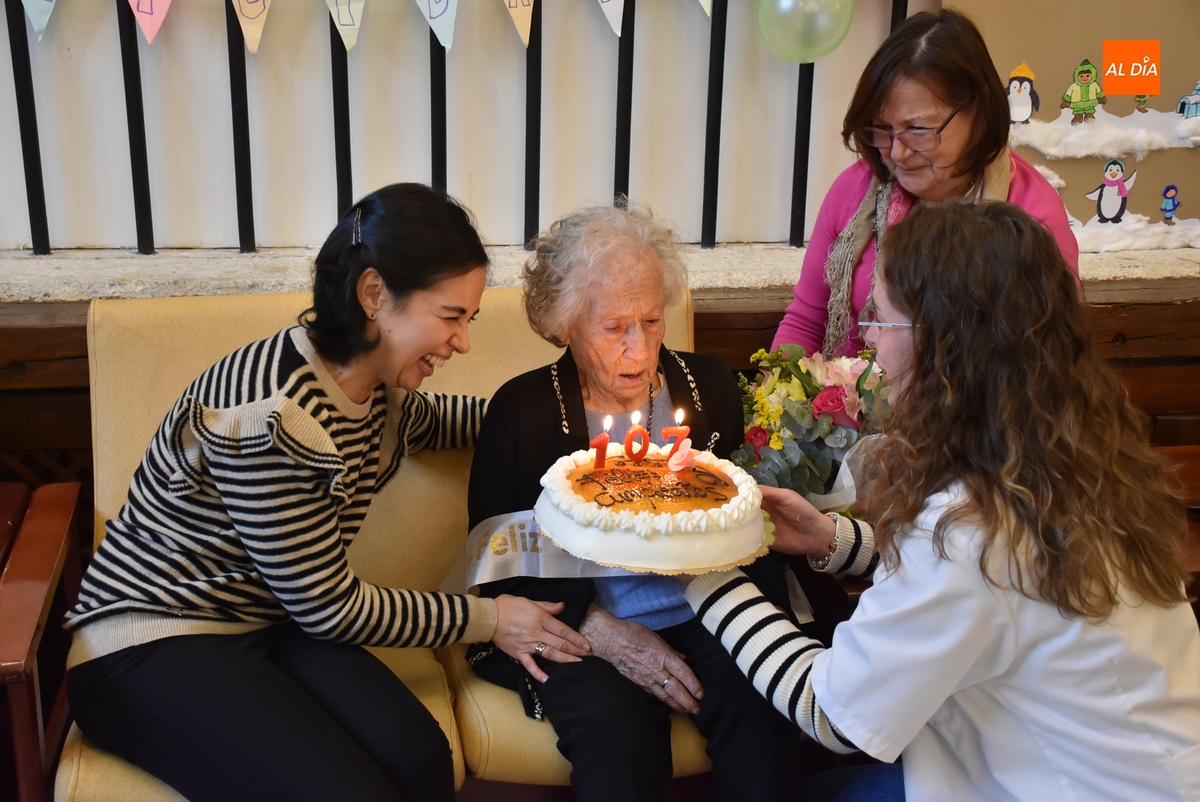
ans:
(930, 120)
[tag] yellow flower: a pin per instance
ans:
(759, 355)
(796, 391)
(776, 441)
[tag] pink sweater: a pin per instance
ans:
(804, 321)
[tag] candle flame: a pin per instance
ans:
(678, 417)
(607, 422)
(636, 417)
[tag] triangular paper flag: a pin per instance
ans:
(614, 10)
(707, 6)
(252, 14)
(39, 14)
(521, 12)
(440, 14)
(347, 15)
(150, 15)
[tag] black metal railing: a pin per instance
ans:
(244, 185)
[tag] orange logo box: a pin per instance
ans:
(1131, 67)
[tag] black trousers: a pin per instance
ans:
(618, 737)
(273, 714)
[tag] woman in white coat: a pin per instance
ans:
(1028, 634)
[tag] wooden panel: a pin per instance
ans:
(33, 420)
(1176, 430)
(45, 374)
(733, 324)
(1163, 389)
(1147, 331)
(32, 331)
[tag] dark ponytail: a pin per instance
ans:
(413, 235)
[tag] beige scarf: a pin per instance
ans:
(871, 219)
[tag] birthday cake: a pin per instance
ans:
(644, 516)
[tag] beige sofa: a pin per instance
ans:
(143, 353)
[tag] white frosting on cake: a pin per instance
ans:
(680, 542)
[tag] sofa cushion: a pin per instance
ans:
(501, 743)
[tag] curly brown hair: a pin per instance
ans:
(1007, 397)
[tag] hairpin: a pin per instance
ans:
(356, 232)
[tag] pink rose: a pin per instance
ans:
(833, 401)
(757, 436)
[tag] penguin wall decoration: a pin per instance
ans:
(1022, 97)
(1111, 196)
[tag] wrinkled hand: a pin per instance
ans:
(644, 659)
(800, 528)
(522, 624)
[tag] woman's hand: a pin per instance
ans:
(644, 659)
(800, 528)
(523, 625)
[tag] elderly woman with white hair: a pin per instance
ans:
(598, 285)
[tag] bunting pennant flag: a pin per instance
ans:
(39, 14)
(252, 15)
(707, 6)
(347, 15)
(614, 10)
(521, 12)
(150, 15)
(440, 15)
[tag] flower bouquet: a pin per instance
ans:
(804, 413)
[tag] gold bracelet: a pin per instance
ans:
(823, 563)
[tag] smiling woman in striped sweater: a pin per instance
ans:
(1027, 635)
(219, 631)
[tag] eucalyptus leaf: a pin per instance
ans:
(792, 453)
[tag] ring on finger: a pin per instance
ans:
(539, 647)
(664, 682)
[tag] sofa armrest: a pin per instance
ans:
(44, 553)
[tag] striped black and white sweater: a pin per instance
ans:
(242, 509)
(775, 655)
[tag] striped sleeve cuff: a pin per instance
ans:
(774, 655)
(481, 620)
(855, 553)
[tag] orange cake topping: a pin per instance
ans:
(650, 486)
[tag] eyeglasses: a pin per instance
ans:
(867, 320)
(918, 139)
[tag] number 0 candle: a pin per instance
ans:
(636, 431)
(601, 444)
(678, 431)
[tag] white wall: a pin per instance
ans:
(185, 80)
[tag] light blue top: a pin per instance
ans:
(652, 600)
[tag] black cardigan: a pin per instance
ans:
(528, 427)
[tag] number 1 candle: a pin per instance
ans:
(601, 444)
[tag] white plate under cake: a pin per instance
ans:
(645, 517)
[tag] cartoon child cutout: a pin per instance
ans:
(1170, 204)
(1141, 101)
(1084, 95)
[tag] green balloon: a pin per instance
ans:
(804, 30)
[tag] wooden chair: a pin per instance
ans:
(38, 531)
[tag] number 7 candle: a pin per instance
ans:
(678, 431)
